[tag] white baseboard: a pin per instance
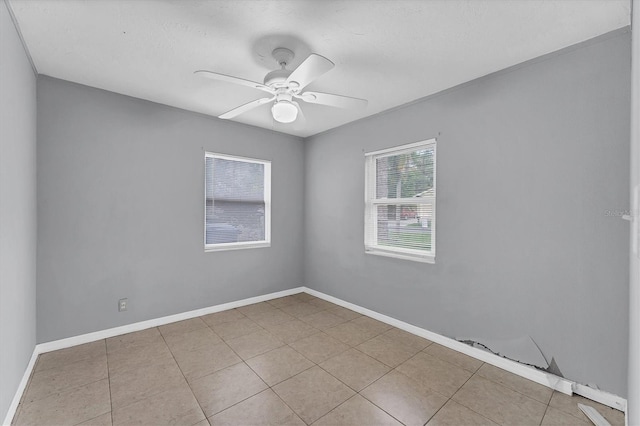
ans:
(550, 380)
(137, 326)
(21, 387)
(554, 382)
(597, 395)
(129, 328)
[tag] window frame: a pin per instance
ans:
(371, 202)
(267, 205)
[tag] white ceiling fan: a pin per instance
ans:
(285, 86)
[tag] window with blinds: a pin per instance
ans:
(237, 202)
(400, 201)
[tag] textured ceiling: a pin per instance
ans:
(389, 52)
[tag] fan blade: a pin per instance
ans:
(333, 100)
(301, 120)
(244, 108)
(229, 79)
(312, 67)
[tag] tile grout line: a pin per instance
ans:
(106, 354)
(451, 399)
(180, 368)
(243, 361)
(34, 372)
(358, 392)
(350, 347)
(512, 389)
(266, 384)
(323, 308)
(544, 415)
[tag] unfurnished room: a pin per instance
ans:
(319, 212)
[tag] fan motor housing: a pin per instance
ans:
(277, 77)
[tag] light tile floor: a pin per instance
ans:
(290, 361)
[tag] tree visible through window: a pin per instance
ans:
(400, 201)
(237, 213)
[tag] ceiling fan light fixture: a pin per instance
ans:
(284, 111)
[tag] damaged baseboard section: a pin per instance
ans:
(593, 415)
(598, 395)
(549, 378)
(521, 349)
(524, 350)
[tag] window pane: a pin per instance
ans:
(235, 209)
(405, 226)
(405, 175)
(238, 180)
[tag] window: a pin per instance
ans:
(237, 203)
(400, 202)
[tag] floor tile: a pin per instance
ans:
(555, 417)
(134, 357)
(133, 340)
(271, 318)
(291, 331)
(232, 329)
(301, 309)
(62, 357)
(265, 408)
(454, 357)
(304, 297)
(323, 320)
(454, 414)
(103, 420)
(254, 344)
(282, 301)
(569, 404)
(181, 327)
(403, 337)
(351, 333)
(357, 411)
(345, 313)
(498, 403)
(68, 408)
(520, 384)
(355, 369)
(174, 406)
(222, 317)
(193, 339)
(205, 360)
(256, 308)
(439, 375)
(313, 393)
(387, 351)
(130, 386)
(54, 380)
(319, 347)
(407, 400)
(321, 303)
(279, 364)
(226, 387)
(139, 377)
(370, 324)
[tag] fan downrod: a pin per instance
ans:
(283, 56)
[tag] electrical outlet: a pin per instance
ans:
(122, 305)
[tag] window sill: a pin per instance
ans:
(236, 246)
(403, 256)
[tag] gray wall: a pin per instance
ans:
(121, 211)
(17, 210)
(528, 162)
